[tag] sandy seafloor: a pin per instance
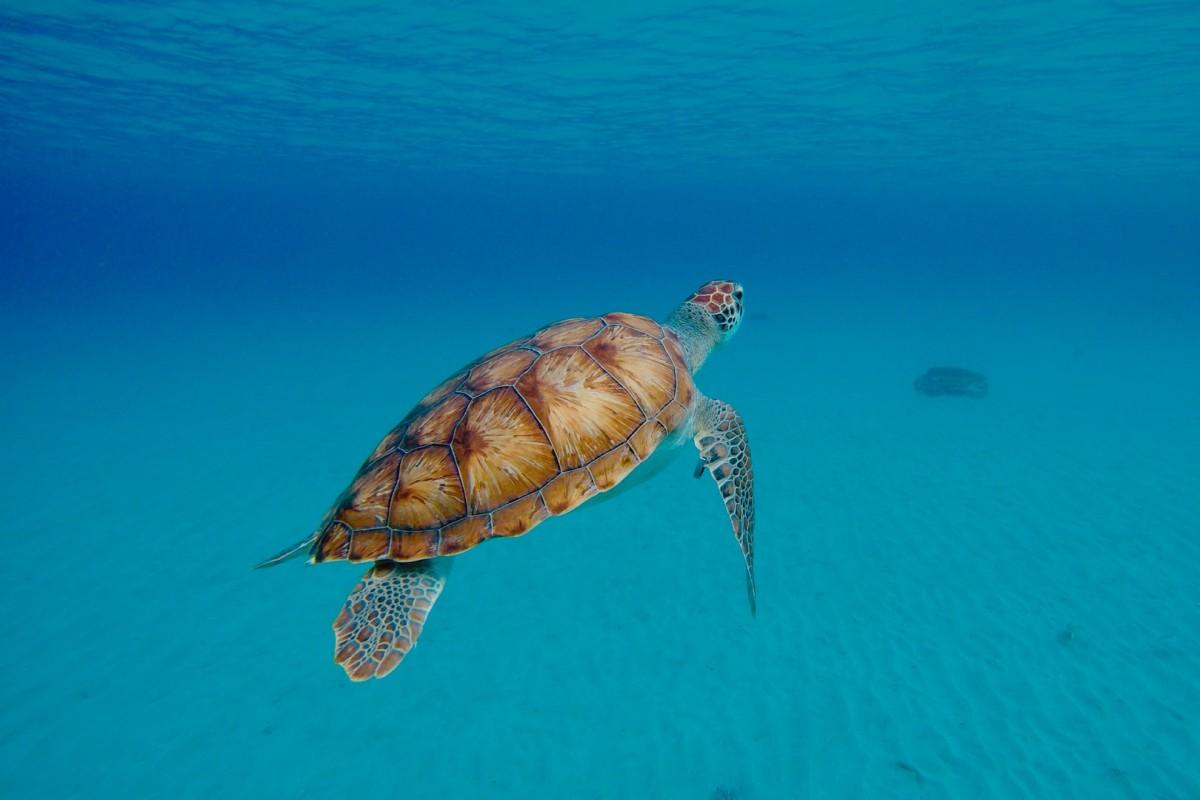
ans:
(957, 598)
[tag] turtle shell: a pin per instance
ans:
(530, 430)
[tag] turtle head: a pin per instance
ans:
(710, 316)
(722, 302)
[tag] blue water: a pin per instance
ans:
(239, 241)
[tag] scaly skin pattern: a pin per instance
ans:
(725, 453)
(383, 617)
(722, 300)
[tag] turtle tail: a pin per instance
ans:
(290, 552)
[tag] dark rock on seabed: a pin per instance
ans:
(951, 380)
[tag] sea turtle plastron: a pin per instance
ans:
(529, 431)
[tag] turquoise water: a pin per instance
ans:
(239, 242)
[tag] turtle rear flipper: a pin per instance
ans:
(384, 615)
(290, 552)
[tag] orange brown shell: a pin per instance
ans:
(530, 430)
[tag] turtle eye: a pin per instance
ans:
(737, 293)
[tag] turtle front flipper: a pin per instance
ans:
(384, 615)
(724, 449)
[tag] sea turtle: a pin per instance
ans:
(528, 431)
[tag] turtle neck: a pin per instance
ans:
(696, 331)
